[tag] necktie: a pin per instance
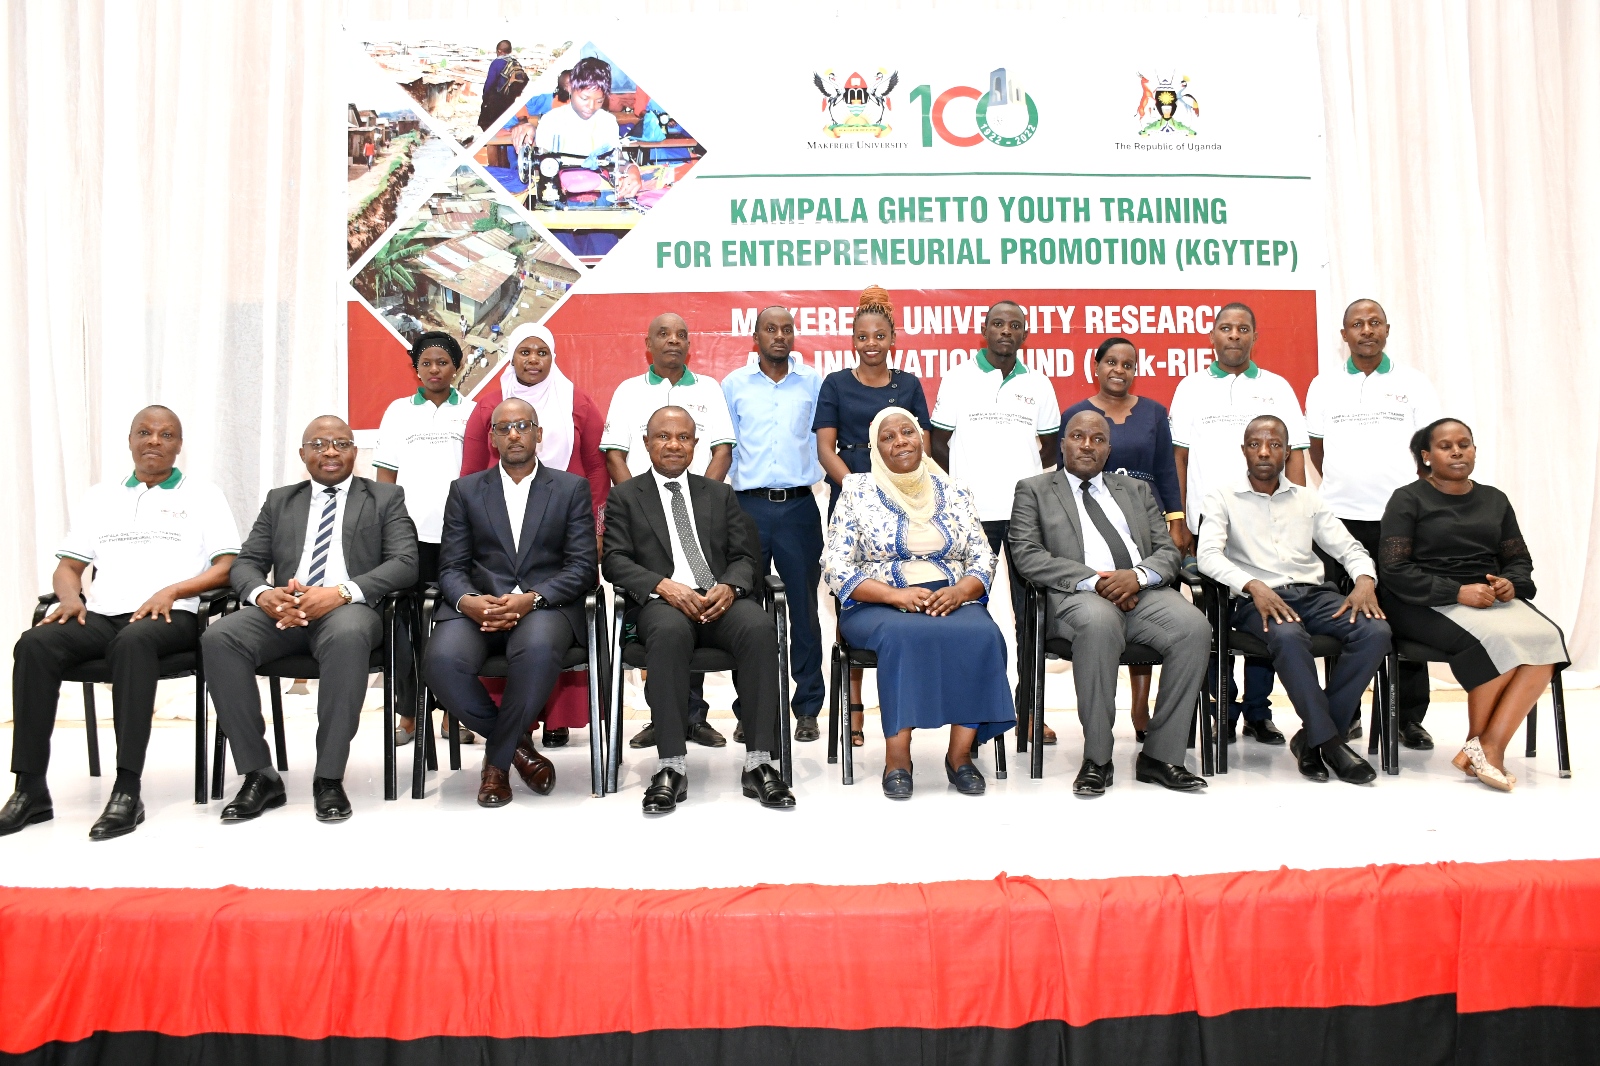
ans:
(1113, 539)
(319, 547)
(686, 537)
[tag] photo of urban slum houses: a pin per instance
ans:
(467, 263)
(590, 153)
(392, 159)
(465, 87)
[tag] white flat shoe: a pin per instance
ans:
(1485, 771)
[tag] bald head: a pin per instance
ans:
(514, 431)
(513, 409)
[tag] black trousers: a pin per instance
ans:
(791, 539)
(533, 649)
(670, 638)
(133, 649)
(1412, 681)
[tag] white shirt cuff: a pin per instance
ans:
(255, 592)
(356, 595)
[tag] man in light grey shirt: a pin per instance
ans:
(1257, 538)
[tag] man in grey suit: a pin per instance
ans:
(1099, 544)
(335, 546)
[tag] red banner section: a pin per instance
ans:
(379, 368)
(408, 964)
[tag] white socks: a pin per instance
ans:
(673, 762)
(753, 759)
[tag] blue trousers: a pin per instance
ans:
(791, 540)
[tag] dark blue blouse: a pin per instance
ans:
(847, 406)
(1141, 447)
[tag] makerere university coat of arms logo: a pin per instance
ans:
(856, 108)
(1160, 106)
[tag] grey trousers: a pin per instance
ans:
(341, 641)
(1099, 631)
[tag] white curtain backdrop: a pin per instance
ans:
(172, 233)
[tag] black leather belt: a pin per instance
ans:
(852, 447)
(778, 495)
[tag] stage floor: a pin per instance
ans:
(1261, 815)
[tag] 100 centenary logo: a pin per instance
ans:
(1005, 114)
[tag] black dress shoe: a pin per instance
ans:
(1153, 771)
(1231, 734)
(644, 738)
(1263, 732)
(1093, 779)
(327, 796)
(805, 728)
(967, 778)
(258, 793)
(122, 816)
(702, 734)
(1343, 761)
(1413, 736)
(1308, 759)
(1355, 732)
(24, 808)
(667, 789)
(555, 738)
(1138, 734)
(765, 784)
(897, 784)
(738, 733)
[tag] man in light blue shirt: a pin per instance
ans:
(771, 402)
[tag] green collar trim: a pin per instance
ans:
(984, 365)
(1384, 364)
(171, 482)
(421, 397)
(655, 379)
(1250, 370)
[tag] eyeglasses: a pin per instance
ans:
(521, 425)
(342, 444)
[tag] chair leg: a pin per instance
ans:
(1531, 731)
(219, 762)
(201, 767)
(278, 739)
(425, 731)
(1036, 689)
(1204, 724)
(1000, 757)
(453, 729)
(836, 680)
(1224, 675)
(1558, 701)
(595, 675)
(419, 751)
(847, 752)
(1391, 713)
(1380, 695)
(91, 729)
(780, 614)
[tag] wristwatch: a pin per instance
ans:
(344, 590)
(538, 601)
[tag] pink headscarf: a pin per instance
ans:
(552, 397)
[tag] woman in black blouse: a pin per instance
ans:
(1456, 575)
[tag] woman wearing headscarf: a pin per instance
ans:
(572, 426)
(909, 561)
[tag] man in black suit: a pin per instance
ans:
(336, 546)
(680, 547)
(516, 557)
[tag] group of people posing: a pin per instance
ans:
(689, 492)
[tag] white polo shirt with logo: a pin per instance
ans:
(995, 422)
(636, 399)
(1209, 412)
(141, 538)
(421, 442)
(1365, 423)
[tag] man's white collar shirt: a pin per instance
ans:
(1249, 536)
(516, 493)
(682, 572)
(333, 570)
(1096, 552)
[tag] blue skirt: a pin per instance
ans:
(935, 672)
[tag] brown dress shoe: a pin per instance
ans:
(536, 771)
(495, 788)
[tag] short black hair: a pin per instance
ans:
(675, 409)
(1090, 410)
(1236, 306)
(1007, 303)
(436, 339)
(1110, 343)
(503, 48)
(591, 73)
(564, 94)
(1282, 427)
(1422, 440)
(762, 313)
(156, 407)
(1363, 300)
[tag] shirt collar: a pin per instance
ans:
(341, 488)
(797, 364)
(1384, 364)
(1244, 488)
(172, 481)
(421, 397)
(1097, 482)
(1250, 369)
(984, 365)
(655, 379)
(507, 477)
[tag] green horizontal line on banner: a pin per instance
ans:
(1009, 174)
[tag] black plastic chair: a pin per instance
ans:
(1413, 651)
(1228, 642)
(775, 600)
(183, 664)
(1037, 647)
(845, 659)
(590, 658)
(293, 666)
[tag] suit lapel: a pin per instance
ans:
(1138, 521)
(1062, 486)
(539, 494)
(296, 513)
(494, 502)
(704, 513)
(650, 493)
(360, 498)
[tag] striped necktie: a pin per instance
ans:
(319, 548)
(691, 547)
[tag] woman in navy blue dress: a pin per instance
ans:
(1141, 447)
(846, 405)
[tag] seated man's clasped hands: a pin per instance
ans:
(1256, 538)
(1100, 545)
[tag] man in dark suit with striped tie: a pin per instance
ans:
(335, 546)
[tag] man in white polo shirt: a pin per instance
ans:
(157, 539)
(994, 424)
(670, 383)
(1361, 418)
(1209, 413)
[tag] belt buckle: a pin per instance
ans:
(777, 495)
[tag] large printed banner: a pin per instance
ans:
(1114, 176)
